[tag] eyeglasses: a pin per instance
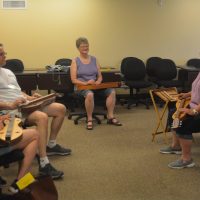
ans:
(3, 54)
(84, 46)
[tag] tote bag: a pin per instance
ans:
(42, 189)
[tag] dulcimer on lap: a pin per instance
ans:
(178, 116)
(37, 104)
(98, 87)
(11, 132)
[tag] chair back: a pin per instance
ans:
(123, 63)
(195, 62)
(133, 68)
(166, 71)
(63, 62)
(15, 65)
(152, 65)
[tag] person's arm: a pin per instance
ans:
(73, 74)
(191, 111)
(26, 96)
(34, 96)
(99, 76)
(3, 117)
(196, 110)
(11, 105)
(184, 95)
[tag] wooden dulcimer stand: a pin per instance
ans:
(167, 95)
(100, 86)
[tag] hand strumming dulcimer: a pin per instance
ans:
(178, 116)
(11, 133)
(98, 87)
(37, 103)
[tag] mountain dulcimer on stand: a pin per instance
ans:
(100, 86)
(37, 104)
(167, 94)
(11, 132)
(178, 116)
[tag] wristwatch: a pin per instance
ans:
(195, 112)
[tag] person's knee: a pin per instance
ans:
(62, 109)
(29, 136)
(90, 96)
(33, 134)
(184, 136)
(111, 96)
(58, 109)
(41, 117)
(113, 93)
(36, 135)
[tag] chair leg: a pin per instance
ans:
(81, 116)
(130, 103)
(136, 99)
(97, 119)
(130, 99)
(37, 158)
(145, 102)
(101, 114)
(2, 184)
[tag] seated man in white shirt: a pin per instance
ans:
(11, 97)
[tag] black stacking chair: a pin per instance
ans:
(194, 62)
(134, 74)
(72, 101)
(63, 62)
(15, 65)
(163, 72)
(82, 114)
(152, 64)
(67, 98)
(166, 75)
(8, 158)
(13, 156)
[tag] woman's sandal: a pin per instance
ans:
(89, 125)
(114, 121)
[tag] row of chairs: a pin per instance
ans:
(137, 75)
(157, 72)
(16, 65)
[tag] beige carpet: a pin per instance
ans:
(120, 163)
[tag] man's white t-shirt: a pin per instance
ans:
(9, 88)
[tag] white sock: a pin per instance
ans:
(44, 161)
(51, 143)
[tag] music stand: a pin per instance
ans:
(167, 95)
